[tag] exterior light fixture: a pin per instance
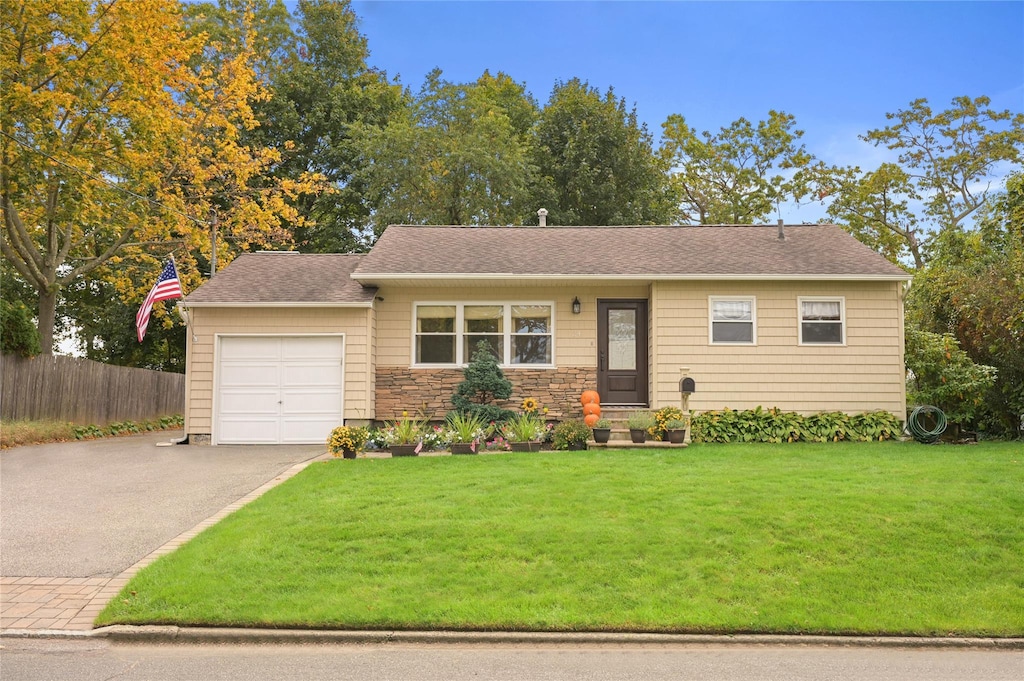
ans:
(576, 307)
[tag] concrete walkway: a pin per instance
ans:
(65, 552)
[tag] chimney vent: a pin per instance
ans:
(542, 216)
(782, 231)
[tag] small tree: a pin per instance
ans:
(17, 330)
(483, 384)
(944, 376)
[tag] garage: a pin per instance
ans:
(278, 389)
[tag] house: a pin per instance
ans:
(283, 347)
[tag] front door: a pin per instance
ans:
(622, 351)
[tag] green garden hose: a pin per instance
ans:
(919, 431)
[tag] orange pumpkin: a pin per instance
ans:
(591, 419)
(589, 397)
(591, 408)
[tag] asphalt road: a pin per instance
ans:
(95, 508)
(37, 660)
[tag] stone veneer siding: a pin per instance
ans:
(429, 391)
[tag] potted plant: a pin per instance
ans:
(403, 436)
(638, 423)
(524, 432)
(661, 419)
(466, 431)
(675, 431)
(571, 434)
(346, 441)
(602, 430)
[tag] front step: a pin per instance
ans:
(629, 444)
(620, 432)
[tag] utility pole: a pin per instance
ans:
(213, 242)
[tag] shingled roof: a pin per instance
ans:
(285, 279)
(679, 252)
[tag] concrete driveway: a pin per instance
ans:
(94, 508)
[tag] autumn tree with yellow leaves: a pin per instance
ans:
(120, 136)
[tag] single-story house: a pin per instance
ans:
(282, 347)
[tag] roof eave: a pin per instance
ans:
(372, 278)
(364, 304)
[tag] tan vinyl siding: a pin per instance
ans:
(355, 323)
(866, 373)
(575, 334)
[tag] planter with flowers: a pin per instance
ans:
(639, 423)
(660, 428)
(602, 430)
(467, 432)
(524, 432)
(403, 437)
(675, 431)
(347, 441)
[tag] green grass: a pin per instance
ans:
(28, 432)
(883, 538)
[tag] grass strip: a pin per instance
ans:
(847, 538)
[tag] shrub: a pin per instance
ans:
(774, 425)
(18, 334)
(570, 432)
(483, 383)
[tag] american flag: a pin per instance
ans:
(167, 286)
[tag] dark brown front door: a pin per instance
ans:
(622, 351)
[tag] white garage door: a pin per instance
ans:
(278, 389)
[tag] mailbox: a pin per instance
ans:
(687, 386)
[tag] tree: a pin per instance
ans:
(948, 161)
(732, 176)
(456, 155)
(484, 383)
(326, 90)
(595, 162)
(17, 331)
(973, 289)
(121, 132)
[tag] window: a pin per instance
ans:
(733, 320)
(517, 333)
(822, 321)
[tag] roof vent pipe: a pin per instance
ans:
(542, 216)
(782, 231)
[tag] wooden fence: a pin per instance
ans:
(83, 391)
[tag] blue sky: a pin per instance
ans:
(837, 66)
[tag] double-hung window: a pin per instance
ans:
(822, 321)
(519, 334)
(733, 320)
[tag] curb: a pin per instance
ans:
(194, 635)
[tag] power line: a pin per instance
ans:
(103, 180)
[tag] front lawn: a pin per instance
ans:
(882, 538)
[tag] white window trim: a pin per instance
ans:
(820, 299)
(753, 320)
(460, 332)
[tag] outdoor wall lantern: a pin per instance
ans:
(576, 307)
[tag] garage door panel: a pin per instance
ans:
(263, 403)
(250, 347)
(312, 347)
(297, 375)
(236, 374)
(244, 431)
(299, 402)
(306, 430)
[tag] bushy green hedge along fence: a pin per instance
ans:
(773, 425)
(127, 427)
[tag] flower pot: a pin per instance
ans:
(602, 434)
(638, 435)
(525, 446)
(676, 437)
(463, 448)
(404, 450)
(348, 453)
